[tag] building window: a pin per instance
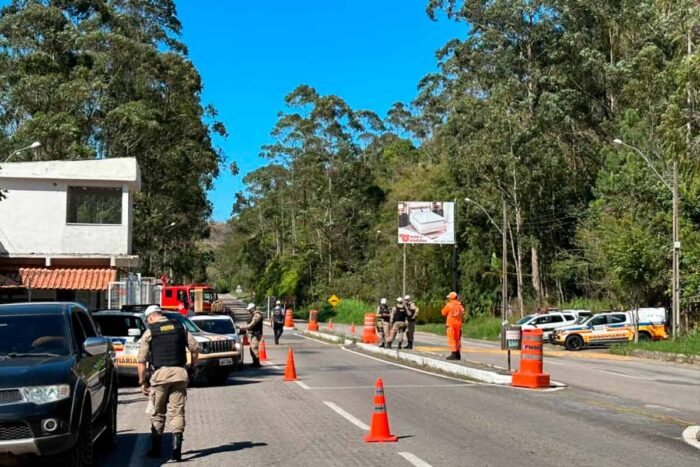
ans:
(94, 205)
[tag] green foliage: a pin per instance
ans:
(480, 327)
(221, 286)
(685, 345)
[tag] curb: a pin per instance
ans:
(442, 366)
(666, 356)
(328, 337)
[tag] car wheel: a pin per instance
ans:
(109, 437)
(643, 337)
(574, 343)
(80, 455)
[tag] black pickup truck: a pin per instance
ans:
(58, 391)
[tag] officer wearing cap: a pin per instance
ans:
(163, 346)
(383, 322)
(411, 315)
(255, 332)
(398, 318)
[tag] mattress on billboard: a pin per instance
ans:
(429, 222)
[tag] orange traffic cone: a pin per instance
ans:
(330, 324)
(262, 351)
(379, 426)
(290, 373)
(352, 329)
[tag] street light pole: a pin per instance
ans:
(675, 268)
(34, 145)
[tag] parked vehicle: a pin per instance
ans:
(216, 360)
(221, 324)
(172, 295)
(614, 327)
(58, 391)
(552, 320)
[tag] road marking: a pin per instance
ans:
(691, 435)
(347, 416)
(395, 386)
(312, 339)
(302, 385)
(138, 455)
(638, 412)
(623, 375)
(413, 459)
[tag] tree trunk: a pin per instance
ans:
(536, 281)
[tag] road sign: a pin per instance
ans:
(334, 301)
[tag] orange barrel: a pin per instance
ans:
(530, 374)
(369, 333)
(313, 321)
(288, 321)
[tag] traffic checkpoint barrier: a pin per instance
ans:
(290, 372)
(379, 425)
(369, 332)
(262, 351)
(313, 321)
(288, 321)
(531, 374)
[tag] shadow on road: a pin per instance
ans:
(231, 447)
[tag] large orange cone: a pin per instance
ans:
(288, 321)
(290, 373)
(330, 324)
(262, 352)
(352, 329)
(379, 426)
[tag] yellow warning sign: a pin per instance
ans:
(334, 301)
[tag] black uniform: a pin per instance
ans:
(278, 322)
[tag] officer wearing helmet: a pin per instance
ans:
(412, 314)
(254, 328)
(383, 321)
(278, 320)
(163, 346)
(398, 318)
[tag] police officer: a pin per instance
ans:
(398, 318)
(412, 314)
(163, 346)
(382, 324)
(278, 321)
(255, 332)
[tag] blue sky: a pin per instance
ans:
(252, 53)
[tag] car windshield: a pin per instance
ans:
(582, 319)
(525, 319)
(207, 294)
(33, 334)
(189, 325)
(216, 326)
(118, 326)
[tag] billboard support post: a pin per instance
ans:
(404, 270)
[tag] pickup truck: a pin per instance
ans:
(58, 385)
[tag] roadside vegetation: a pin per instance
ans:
(685, 345)
(478, 327)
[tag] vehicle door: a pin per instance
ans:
(569, 319)
(598, 323)
(92, 367)
(554, 321)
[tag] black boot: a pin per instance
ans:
(156, 444)
(453, 356)
(177, 447)
(381, 346)
(256, 363)
(400, 345)
(409, 346)
(459, 355)
(388, 346)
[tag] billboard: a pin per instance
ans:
(431, 222)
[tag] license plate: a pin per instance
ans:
(225, 361)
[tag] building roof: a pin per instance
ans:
(58, 279)
(118, 169)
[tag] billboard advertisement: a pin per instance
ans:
(428, 222)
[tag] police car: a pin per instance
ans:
(552, 320)
(217, 359)
(220, 324)
(613, 327)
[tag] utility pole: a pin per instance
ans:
(404, 270)
(504, 262)
(676, 318)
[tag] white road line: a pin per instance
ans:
(623, 375)
(315, 340)
(389, 386)
(138, 455)
(691, 436)
(347, 416)
(303, 385)
(413, 459)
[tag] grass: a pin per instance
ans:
(479, 327)
(686, 345)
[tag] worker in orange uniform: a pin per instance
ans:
(454, 311)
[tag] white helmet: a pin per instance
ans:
(399, 300)
(152, 309)
(278, 302)
(407, 298)
(382, 301)
(251, 306)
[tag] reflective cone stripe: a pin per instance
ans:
(262, 351)
(369, 330)
(531, 373)
(379, 425)
(290, 373)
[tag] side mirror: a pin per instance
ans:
(134, 332)
(96, 345)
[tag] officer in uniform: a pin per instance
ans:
(163, 346)
(412, 314)
(255, 333)
(278, 321)
(383, 320)
(398, 318)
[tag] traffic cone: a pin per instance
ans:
(290, 373)
(330, 324)
(262, 351)
(352, 329)
(379, 426)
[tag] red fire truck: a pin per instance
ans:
(172, 295)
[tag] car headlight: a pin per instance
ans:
(206, 347)
(46, 394)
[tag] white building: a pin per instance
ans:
(65, 228)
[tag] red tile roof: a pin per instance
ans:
(64, 279)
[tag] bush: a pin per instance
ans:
(221, 286)
(685, 345)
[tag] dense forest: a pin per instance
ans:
(110, 78)
(521, 117)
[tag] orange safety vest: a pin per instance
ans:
(454, 311)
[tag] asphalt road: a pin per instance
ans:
(259, 420)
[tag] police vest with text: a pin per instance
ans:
(168, 343)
